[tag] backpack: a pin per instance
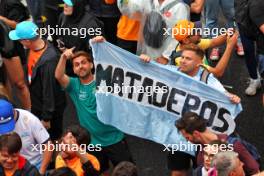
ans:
(250, 147)
(153, 30)
(242, 17)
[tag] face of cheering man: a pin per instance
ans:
(82, 66)
(190, 62)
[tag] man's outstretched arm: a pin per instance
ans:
(60, 75)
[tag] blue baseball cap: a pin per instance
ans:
(68, 2)
(25, 30)
(7, 121)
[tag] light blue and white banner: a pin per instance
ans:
(145, 99)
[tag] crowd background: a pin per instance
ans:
(148, 156)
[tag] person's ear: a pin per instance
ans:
(232, 173)
(196, 133)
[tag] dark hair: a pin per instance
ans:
(81, 134)
(192, 47)
(84, 54)
(63, 171)
(190, 122)
(11, 141)
(179, 161)
(125, 168)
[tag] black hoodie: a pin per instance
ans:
(83, 20)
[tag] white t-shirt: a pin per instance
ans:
(32, 132)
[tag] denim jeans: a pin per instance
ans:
(250, 56)
(261, 64)
(212, 8)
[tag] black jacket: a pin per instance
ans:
(13, 10)
(25, 169)
(86, 21)
(46, 94)
(101, 9)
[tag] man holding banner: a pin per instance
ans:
(191, 64)
(158, 95)
(82, 92)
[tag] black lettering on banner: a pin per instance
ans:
(187, 107)
(103, 75)
(172, 99)
(213, 110)
(221, 114)
(164, 94)
(133, 77)
(147, 83)
(118, 78)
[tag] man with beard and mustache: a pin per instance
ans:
(82, 93)
(194, 36)
(48, 100)
(191, 65)
(194, 128)
(82, 25)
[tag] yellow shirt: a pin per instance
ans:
(203, 44)
(127, 29)
(75, 164)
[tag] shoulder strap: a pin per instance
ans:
(204, 76)
(169, 6)
(232, 140)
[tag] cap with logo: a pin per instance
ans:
(7, 121)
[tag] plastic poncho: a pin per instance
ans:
(153, 40)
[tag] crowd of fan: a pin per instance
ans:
(52, 72)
